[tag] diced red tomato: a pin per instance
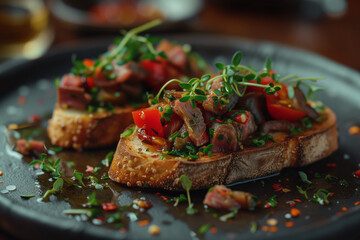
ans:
(149, 119)
(108, 206)
(281, 107)
(264, 81)
(241, 117)
(158, 72)
(88, 63)
(90, 82)
(34, 118)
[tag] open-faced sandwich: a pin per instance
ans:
(223, 128)
(96, 99)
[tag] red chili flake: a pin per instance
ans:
(89, 169)
(295, 212)
(292, 204)
(357, 203)
(157, 193)
(1, 181)
(339, 214)
(277, 187)
(1, 173)
(289, 224)
(143, 223)
(164, 198)
(102, 219)
(331, 164)
(354, 130)
(331, 194)
(265, 228)
(267, 205)
(213, 230)
(356, 174)
(272, 212)
(273, 229)
(287, 179)
(344, 209)
(108, 206)
(80, 150)
(34, 118)
(40, 101)
(123, 230)
(296, 200)
(219, 121)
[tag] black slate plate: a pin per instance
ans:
(27, 89)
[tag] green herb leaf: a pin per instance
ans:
(78, 176)
(204, 228)
(272, 201)
(229, 215)
(321, 197)
(236, 59)
(91, 213)
(200, 98)
(127, 132)
(92, 201)
(220, 66)
(206, 77)
(184, 99)
(108, 158)
(291, 92)
(253, 227)
(27, 196)
(304, 177)
(186, 86)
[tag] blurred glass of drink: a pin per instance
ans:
(24, 28)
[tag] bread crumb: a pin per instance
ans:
(272, 222)
(154, 230)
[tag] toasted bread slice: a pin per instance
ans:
(79, 129)
(135, 165)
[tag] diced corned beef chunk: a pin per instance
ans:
(70, 80)
(173, 125)
(175, 54)
(277, 126)
(73, 97)
(194, 122)
(220, 109)
(255, 102)
(129, 71)
(245, 130)
(26, 147)
(224, 138)
(221, 197)
(300, 100)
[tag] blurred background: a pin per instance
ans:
(30, 28)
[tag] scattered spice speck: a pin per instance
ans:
(295, 212)
(344, 209)
(143, 223)
(213, 230)
(272, 221)
(354, 130)
(289, 224)
(357, 203)
(339, 214)
(123, 230)
(1, 181)
(164, 198)
(273, 229)
(356, 174)
(296, 200)
(265, 228)
(21, 100)
(331, 164)
(154, 230)
(287, 216)
(1, 173)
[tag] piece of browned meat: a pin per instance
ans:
(193, 120)
(224, 138)
(244, 130)
(221, 197)
(276, 126)
(300, 100)
(255, 102)
(220, 109)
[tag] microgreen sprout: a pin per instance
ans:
(186, 184)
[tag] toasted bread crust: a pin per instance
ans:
(71, 128)
(134, 166)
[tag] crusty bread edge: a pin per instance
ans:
(134, 167)
(71, 128)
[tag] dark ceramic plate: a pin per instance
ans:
(27, 88)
